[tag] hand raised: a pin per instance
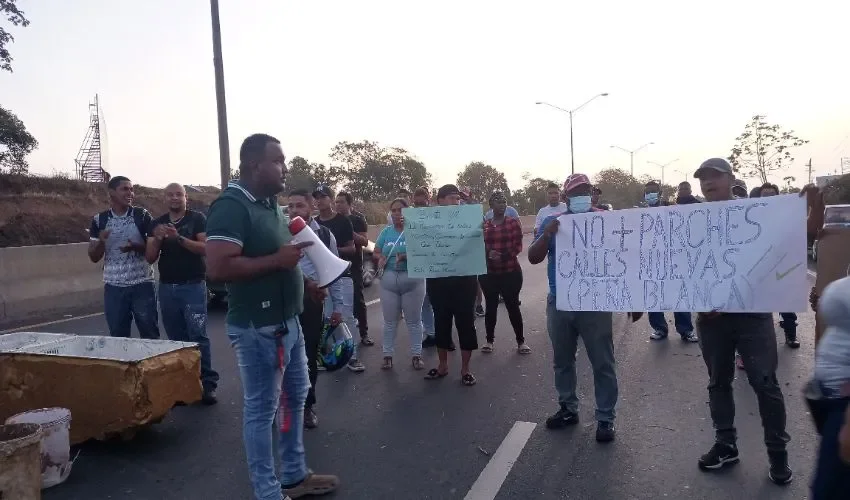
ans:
(289, 255)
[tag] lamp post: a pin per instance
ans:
(221, 106)
(632, 155)
(571, 112)
(663, 167)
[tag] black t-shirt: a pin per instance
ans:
(343, 232)
(176, 264)
(358, 225)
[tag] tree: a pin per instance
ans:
(622, 190)
(15, 16)
(532, 197)
(374, 173)
(306, 175)
(788, 188)
(482, 179)
(763, 148)
(15, 143)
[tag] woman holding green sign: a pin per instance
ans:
(399, 292)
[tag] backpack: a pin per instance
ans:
(138, 219)
(324, 234)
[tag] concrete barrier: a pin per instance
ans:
(48, 281)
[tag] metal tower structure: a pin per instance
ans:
(89, 158)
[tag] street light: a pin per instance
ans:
(663, 167)
(570, 112)
(221, 107)
(632, 155)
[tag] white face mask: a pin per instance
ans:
(579, 204)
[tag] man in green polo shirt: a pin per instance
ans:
(248, 248)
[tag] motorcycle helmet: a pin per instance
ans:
(336, 346)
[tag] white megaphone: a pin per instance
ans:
(329, 266)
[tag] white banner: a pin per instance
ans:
(745, 255)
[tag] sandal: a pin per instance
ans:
(488, 347)
(468, 379)
(523, 349)
(388, 363)
(434, 374)
(417, 362)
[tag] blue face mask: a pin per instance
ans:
(651, 198)
(579, 204)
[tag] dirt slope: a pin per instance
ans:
(53, 210)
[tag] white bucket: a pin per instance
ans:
(55, 442)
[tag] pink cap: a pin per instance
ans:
(575, 181)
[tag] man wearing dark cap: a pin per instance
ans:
(595, 328)
(453, 298)
(754, 337)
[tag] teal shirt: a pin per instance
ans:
(386, 242)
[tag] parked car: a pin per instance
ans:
(833, 216)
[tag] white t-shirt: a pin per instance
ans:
(546, 212)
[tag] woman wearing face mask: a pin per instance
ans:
(502, 245)
(399, 292)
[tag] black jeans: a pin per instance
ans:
(832, 475)
(311, 324)
(453, 298)
(508, 285)
(359, 302)
(789, 322)
(754, 336)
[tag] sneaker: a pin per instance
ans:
(658, 335)
(791, 340)
(367, 340)
(605, 432)
(311, 420)
(429, 341)
(563, 418)
(479, 310)
(779, 471)
(209, 398)
(487, 347)
(312, 485)
(356, 366)
(720, 455)
(690, 337)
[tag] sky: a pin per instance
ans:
(450, 81)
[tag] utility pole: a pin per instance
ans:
(221, 106)
(809, 165)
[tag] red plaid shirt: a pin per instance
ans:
(505, 238)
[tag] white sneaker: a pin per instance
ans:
(356, 366)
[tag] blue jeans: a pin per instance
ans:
(427, 318)
(184, 315)
(121, 304)
(682, 320)
(596, 330)
(401, 293)
(832, 476)
(266, 389)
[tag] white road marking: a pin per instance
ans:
(48, 323)
(812, 274)
(65, 320)
(490, 481)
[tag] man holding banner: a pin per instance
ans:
(754, 337)
(565, 327)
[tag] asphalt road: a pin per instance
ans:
(392, 435)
